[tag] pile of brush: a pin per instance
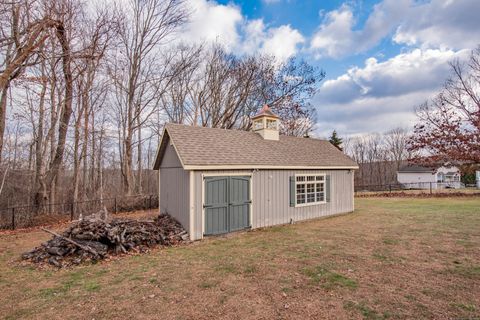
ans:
(94, 238)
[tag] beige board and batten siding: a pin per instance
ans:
(271, 198)
(174, 187)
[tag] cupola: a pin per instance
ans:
(266, 124)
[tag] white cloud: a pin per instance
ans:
(435, 24)
(225, 24)
(282, 42)
(212, 22)
(441, 23)
(381, 95)
(337, 37)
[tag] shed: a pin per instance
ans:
(215, 181)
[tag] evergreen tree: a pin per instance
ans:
(336, 140)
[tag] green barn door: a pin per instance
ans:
(239, 203)
(216, 205)
(227, 204)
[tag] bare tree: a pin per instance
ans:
(218, 89)
(396, 141)
(136, 70)
(24, 29)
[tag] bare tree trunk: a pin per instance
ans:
(127, 164)
(40, 196)
(3, 113)
(76, 146)
(92, 157)
(139, 157)
(66, 111)
(85, 151)
(100, 163)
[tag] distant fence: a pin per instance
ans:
(27, 216)
(430, 187)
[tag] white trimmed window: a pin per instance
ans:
(309, 189)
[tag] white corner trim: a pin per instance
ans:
(203, 205)
(191, 204)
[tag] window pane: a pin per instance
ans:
(319, 178)
(271, 124)
(320, 187)
(310, 197)
(320, 197)
(300, 188)
(311, 178)
(300, 198)
(310, 187)
(257, 124)
(301, 178)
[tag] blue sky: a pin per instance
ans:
(306, 16)
(381, 57)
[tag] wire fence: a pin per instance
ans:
(28, 216)
(428, 187)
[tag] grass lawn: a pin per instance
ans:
(393, 258)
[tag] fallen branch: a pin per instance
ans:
(85, 248)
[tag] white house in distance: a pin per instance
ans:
(215, 181)
(439, 177)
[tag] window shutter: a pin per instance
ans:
(327, 187)
(292, 191)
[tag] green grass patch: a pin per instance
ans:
(226, 268)
(470, 307)
(48, 293)
(380, 256)
(329, 279)
(389, 241)
(365, 311)
(466, 271)
(250, 269)
(92, 286)
(207, 284)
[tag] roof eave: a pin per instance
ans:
(266, 167)
(158, 156)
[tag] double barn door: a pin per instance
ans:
(226, 204)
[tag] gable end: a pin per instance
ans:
(167, 153)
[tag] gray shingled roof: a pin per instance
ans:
(199, 146)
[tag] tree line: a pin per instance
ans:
(379, 156)
(85, 90)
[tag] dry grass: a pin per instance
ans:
(392, 258)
